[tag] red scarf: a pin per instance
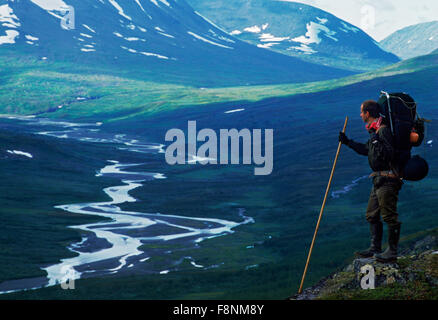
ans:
(376, 124)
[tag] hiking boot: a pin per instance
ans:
(376, 232)
(390, 254)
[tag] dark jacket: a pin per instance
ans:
(379, 149)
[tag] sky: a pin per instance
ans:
(379, 18)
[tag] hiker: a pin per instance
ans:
(386, 182)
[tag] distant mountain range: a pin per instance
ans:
(161, 40)
(413, 41)
(296, 29)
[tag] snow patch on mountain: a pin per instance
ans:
(221, 37)
(226, 39)
(163, 33)
(210, 22)
(159, 56)
(256, 29)
(348, 28)
(30, 38)
(267, 45)
(235, 32)
(162, 1)
(8, 18)
(303, 48)
(208, 41)
(86, 35)
(9, 38)
(56, 8)
(312, 34)
(148, 54)
(166, 35)
(89, 28)
(53, 5)
(268, 40)
(134, 39)
(129, 49)
(253, 29)
(267, 37)
(139, 4)
(119, 9)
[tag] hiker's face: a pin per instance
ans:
(365, 116)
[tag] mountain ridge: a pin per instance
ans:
(413, 41)
(163, 40)
(298, 30)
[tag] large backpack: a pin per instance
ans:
(400, 113)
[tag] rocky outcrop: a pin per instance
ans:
(414, 275)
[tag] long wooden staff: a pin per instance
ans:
(322, 210)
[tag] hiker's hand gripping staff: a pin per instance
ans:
(344, 140)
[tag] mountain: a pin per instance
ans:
(413, 41)
(297, 30)
(158, 39)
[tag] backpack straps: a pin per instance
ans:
(388, 98)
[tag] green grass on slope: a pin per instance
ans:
(285, 205)
(35, 86)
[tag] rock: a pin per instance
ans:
(384, 273)
(419, 263)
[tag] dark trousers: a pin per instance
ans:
(383, 201)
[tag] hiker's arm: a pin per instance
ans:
(360, 148)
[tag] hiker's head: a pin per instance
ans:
(369, 111)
